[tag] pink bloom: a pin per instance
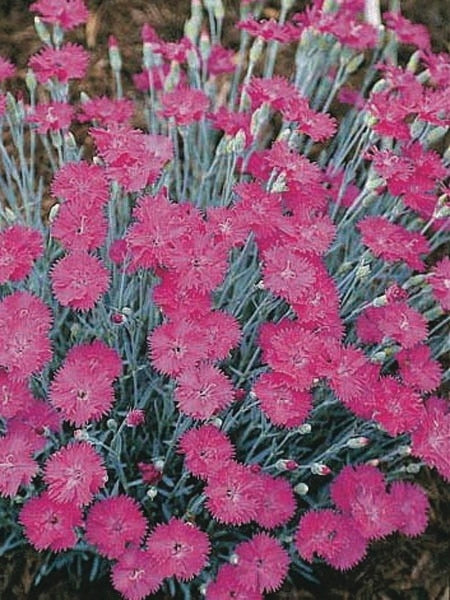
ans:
(403, 324)
(82, 389)
(184, 105)
(227, 586)
(351, 479)
(393, 242)
(280, 402)
(17, 466)
(66, 13)
(49, 524)
(149, 473)
(175, 300)
(406, 31)
(135, 417)
(180, 549)
(74, 474)
(411, 506)
(14, 395)
(234, 494)
(278, 502)
(114, 523)
(106, 111)
(19, 247)
(81, 183)
(332, 536)
(221, 333)
(7, 69)
(440, 282)
(65, 63)
(35, 421)
(175, 347)
(431, 437)
(231, 123)
(206, 450)
(51, 116)
(288, 273)
(221, 60)
(203, 391)
(24, 327)
(2, 105)
(136, 575)
(418, 369)
(396, 407)
(80, 226)
(439, 67)
(79, 280)
(262, 563)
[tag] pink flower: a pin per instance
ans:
(7, 69)
(332, 536)
(175, 300)
(288, 273)
(278, 502)
(206, 450)
(431, 437)
(106, 111)
(81, 183)
(203, 391)
(114, 523)
(17, 466)
(74, 474)
(136, 575)
(406, 31)
(66, 13)
(135, 417)
(411, 506)
(231, 123)
(80, 226)
(65, 63)
(24, 327)
(82, 389)
(403, 324)
(184, 105)
(440, 282)
(50, 525)
(35, 421)
(19, 247)
(221, 333)
(234, 494)
(418, 369)
(149, 473)
(262, 563)
(14, 395)
(280, 402)
(180, 549)
(227, 586)
(79, 280)
(221, 60)
(393, 242)
(51, 116)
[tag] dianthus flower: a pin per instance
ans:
(411, 505)
(262, 563)
(234, 494)
(221, 333)
(319, 126)
(280, 402)
(154, 78)
(393, 242)
(203, 391)
(106, 111)
(17, 466)
(176, 346)
(149, 473)
(24, 326)
(180, 549)
(275, 91)
(135, 417)
(35, 421)
(332, 536)
(79, 280)
(175, 301)
(19, 247)
(223, 223)
(221, 60)
(82, 389)
(288, 273)
(206, 450)
(7, 69)
(114, 523)
(80, 226)
(360, 492)
(65, 13)
(350, 32)
(438, 66)
(14, 395)
(269, 30)
(390, 113)
(136, 575)
(430, 438)
(50, 525)
(418, 369)
(227, 586)
(439, 280)
(406, 31)
(184, 105)
(231, 123)
(51, 116)
(65, 63)
(258, 211)
(401, 323)
(81, 183)
(74, 474)
(177, 51)
(309, 235)
(278, 502)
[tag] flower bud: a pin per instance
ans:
(413, 468)
(234, 559)
(320, 469)
(286, 465)
(301, 489)
(358, 442)
(81, 435)
(256, 50)
(304, 429)
(152, 492)
(53, 212)
(42, 31)
(115, 59)
(111, 424)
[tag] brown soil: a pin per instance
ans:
(397, 568)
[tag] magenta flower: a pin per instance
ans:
(227, 586)
(17, 466)
(14, 395)
(431, 436)
(19, 247)
(51, 116)
(114, 523)
(66, 13)
(412, 506)
(136, 575)
(7, 69)
(80, 226)
(106, 111)
(206, 450)
(74, 474)
(278, 502)
(184, 105)
(440, 282)
(418, 369)
(81, 183)
(65, 63)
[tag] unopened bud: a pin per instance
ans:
(42, 31)
(413, 281)
(115, 59)
(404, 450)
(358, 442)
(279, 185)
(301, 489)
(234, 559)
(380, 301)
(256, 50)
(413, 468)
(378, 357)
(373, 462)
(286, 465)
(159, 464)
(152, 492)
(363, 271)
(30, 80)
(81, 435)
(217, 422)
(53, 212)
(304, 429)
(111, 424)
(354, 64)
(414, 61)
(320, 469)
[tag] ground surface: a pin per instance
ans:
(395, 569)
